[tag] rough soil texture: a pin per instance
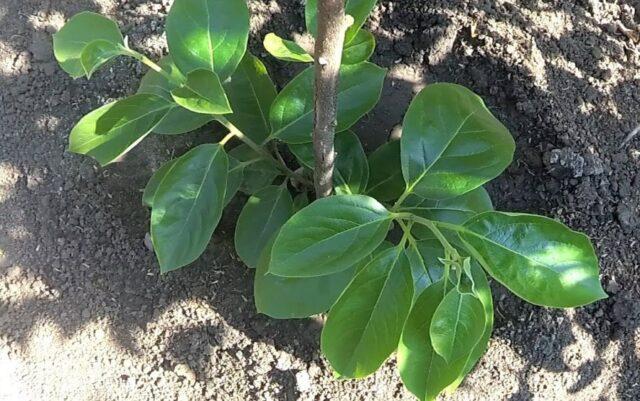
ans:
(85, 315)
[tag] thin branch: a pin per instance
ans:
(332, 25)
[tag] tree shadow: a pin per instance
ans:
(76, 231)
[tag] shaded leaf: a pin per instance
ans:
(188, 205)
(426, 267)
(258, 173)
(359, 49)
(234, 179)
(152, 186)
(291, 114)
(99, 52)
(385, 175)
(262, 216)
(364, 326)
(251, 93)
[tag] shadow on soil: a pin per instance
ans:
(80, 229)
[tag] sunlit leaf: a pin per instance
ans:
(202, 93)
(285, 50)
(359, 49)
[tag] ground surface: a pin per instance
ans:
(84, 314)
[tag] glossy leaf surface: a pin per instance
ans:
(251, 93)
(457, 325)
(358, 9)
(208, 34)
(178, 120)
(154, 182)
(188, 205)
(364, 326)
(329, 235)
(97, 53)
(451, 143)
(113, 129)
(385, 174)
(423, 371)
(426, 268)
(291, 114)
(285, 50)
(76, 34)
(202, 93)
(359, 49)
(537, 258)
(262, 216)
(351, 171)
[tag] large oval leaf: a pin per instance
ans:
(208, 34)
(113, 129)
(187, 206)
(178, 120)
(329, 236)
(285, 50)
(359, 49)
(358, 9)
(451, 143)
(423, 371)
(351, 170)
(262, 216)
(77, 33)
(385, 174)
(291, 114)
(151, 189)
(457, 325)
(539, 259)
(483, 291)
(364, 326)
(98, 53)
(251, 93)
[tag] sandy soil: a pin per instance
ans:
(84, 314)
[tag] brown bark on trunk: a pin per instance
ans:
(332, 25)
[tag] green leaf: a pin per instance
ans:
(359, 49)
(364, 326)
(258, 173)
(457, 325)
(178, 120)
(426, 268)
(208, 34)
(423, 371)
(451, 143)
(202, 93)
(537, 258)
(285, 50)
(76, 34)
(300, 201)
(234, 180)
(455, 210)
(152, 186)
(385, 175)
(329, 235)
(97, 53)
(251, 93)
(295, 298)
(188, 205)
(483, 292)
(113, 129)
(358, 9)
(291, 114)
(351, 171)
(262, 216)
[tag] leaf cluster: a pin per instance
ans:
(398, 257)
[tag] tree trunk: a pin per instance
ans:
(332, 25)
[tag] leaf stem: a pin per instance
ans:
(233, 130)
(151, 64)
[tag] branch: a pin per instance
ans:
(332, 25)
